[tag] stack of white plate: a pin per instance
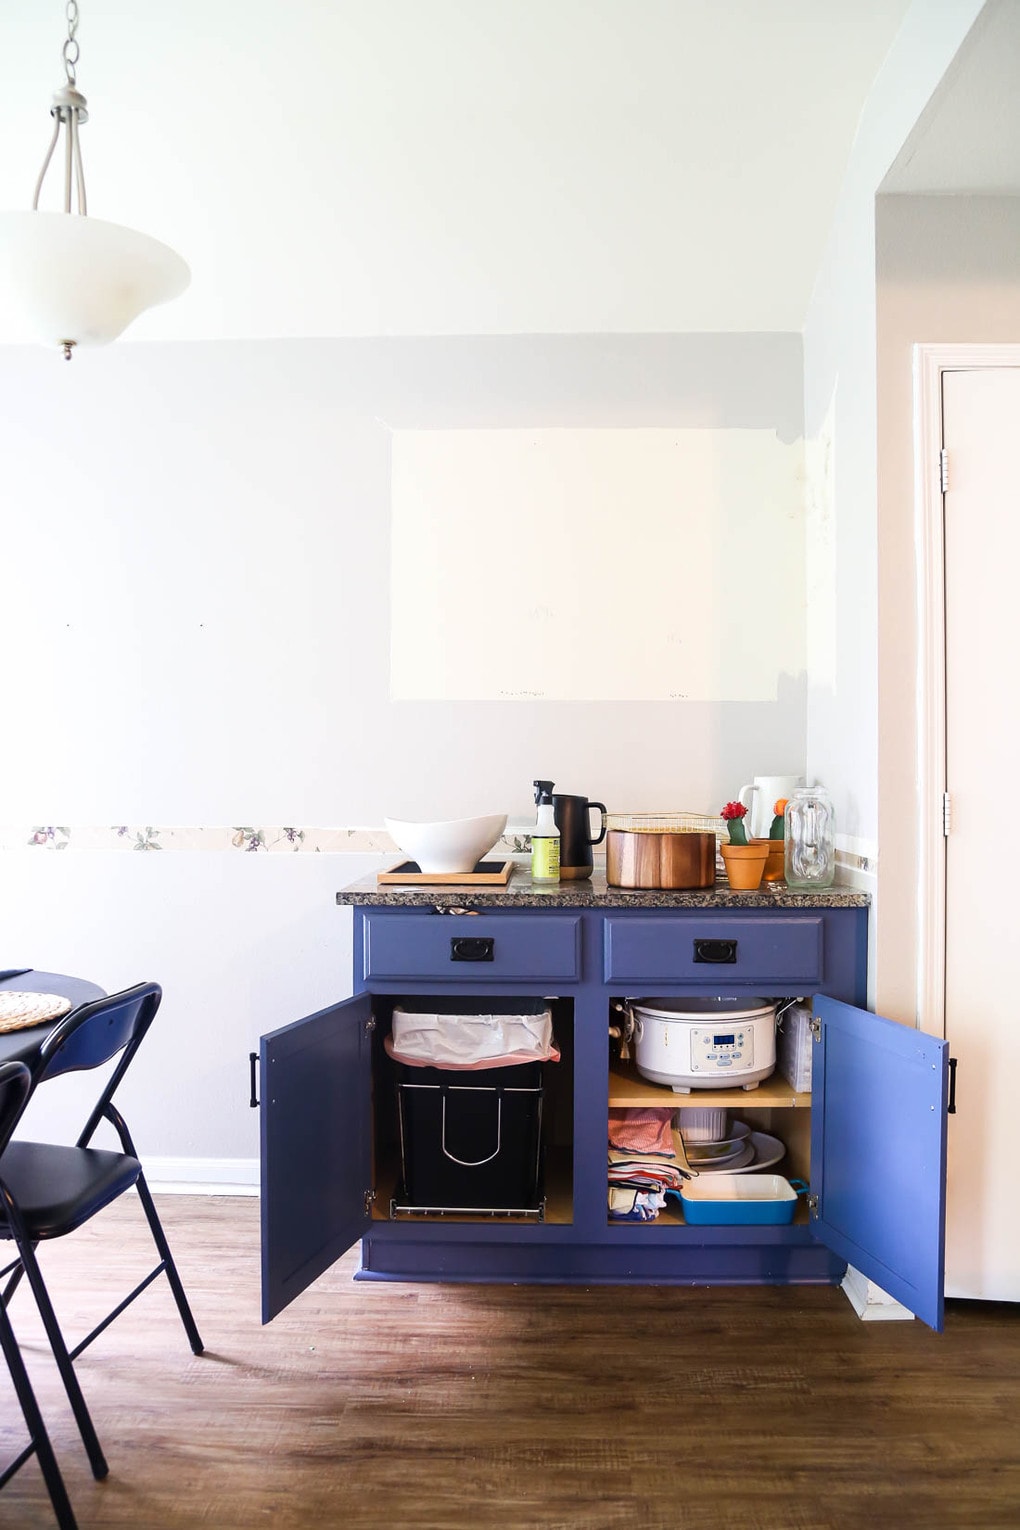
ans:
(738, 1152)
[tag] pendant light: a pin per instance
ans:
(78, 280)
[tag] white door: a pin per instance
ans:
(981, 429)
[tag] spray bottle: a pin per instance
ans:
(545, 837)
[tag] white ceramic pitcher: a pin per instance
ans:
(759, 797)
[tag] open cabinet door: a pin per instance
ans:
(315, 1145)
(878, 1152)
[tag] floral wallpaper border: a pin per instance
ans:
(289, 840)
(146, 837)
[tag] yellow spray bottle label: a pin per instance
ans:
(545, 859)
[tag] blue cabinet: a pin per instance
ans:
(870, 1138)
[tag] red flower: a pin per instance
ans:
(734, 810)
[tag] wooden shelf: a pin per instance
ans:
(627, 1089)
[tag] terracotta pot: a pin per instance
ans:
(775, 868)
(745, 864)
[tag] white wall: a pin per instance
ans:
(843, 748)
(195, 632)
(195, 622)
(948, 271)
(206, 534)
(240, 943)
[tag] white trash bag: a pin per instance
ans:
(471, 1041)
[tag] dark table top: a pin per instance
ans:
(23, 1045)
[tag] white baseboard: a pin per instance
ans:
(202, 1176)
(870, 1302)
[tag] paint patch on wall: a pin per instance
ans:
(820, 550)
(590, 564)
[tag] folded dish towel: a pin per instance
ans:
(642, 1130)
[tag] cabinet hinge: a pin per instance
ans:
(815, 1027)
(943, 470)
(812, 1205)
(369, 1025)
(947, 813)
(369, 1201)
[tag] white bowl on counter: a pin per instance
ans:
(449, 845)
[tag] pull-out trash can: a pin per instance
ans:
(471, 1130)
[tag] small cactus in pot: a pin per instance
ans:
(778, 829)
(734, 814)
(775, 864)
(744, 860)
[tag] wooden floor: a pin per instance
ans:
(474, 1406)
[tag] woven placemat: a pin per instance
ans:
(20, 1010)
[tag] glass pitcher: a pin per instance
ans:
(810, 838)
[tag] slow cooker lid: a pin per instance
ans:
(702, 1008)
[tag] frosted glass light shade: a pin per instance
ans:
(79, 280)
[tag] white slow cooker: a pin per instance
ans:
(716, 1043)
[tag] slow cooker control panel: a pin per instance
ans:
(718, 1050)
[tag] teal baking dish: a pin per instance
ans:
(752, 1200)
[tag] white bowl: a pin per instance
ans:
(697, 1124)
(456, 845)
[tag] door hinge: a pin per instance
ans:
(947, 813)
(369, 1201)
(812, 1205)
(815, 1027)
(369, 1025)
(943, 470)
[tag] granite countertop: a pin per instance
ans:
(521, 892)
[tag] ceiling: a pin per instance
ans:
(459, 166)
(968, 138)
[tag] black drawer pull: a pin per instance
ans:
(717, 951)
(473, 948)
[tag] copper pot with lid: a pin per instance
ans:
(661, 850)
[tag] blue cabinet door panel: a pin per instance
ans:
(878, 1151)
(765, 949)
(471, 948)
(315, 1144)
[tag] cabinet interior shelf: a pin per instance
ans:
(559, 1206)
(673, 1217)
(628, 1090)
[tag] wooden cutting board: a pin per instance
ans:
(485, 874)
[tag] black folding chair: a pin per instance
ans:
(15, 1083)
(46, 1190)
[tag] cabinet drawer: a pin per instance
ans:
(716, 949)
(472, 949)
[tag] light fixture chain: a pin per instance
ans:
(71, 50)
